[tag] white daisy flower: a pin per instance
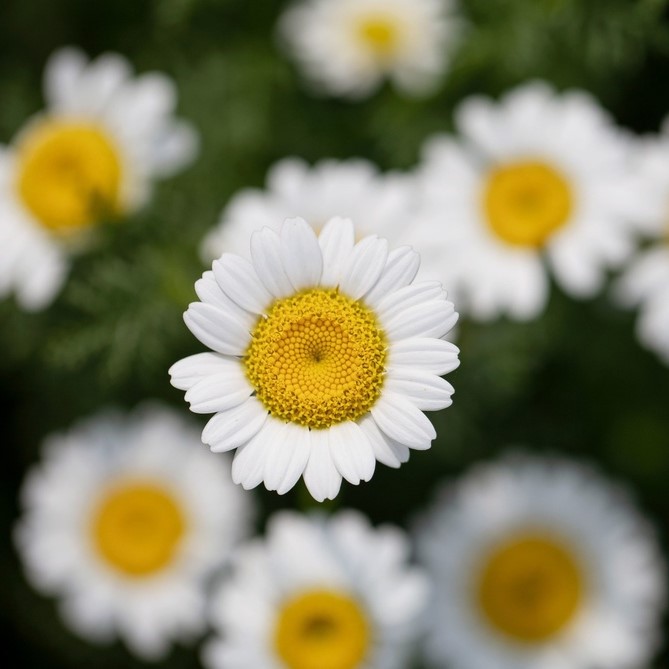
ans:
(540, 564)
(123, 521)
(645, 282)
(536, 177)
(383, 204)
(318, 593)
(92, 154)
(325, 357)
(348, 47)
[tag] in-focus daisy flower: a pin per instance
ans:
(540, 564)
(325, 357)
(349, 47)
(91, 155)
(538, 177)
(123, 521)
(379, 204)
(645, 282)
(318, 593)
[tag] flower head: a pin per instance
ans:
(123, 521)
(539, 563)
(325, 357)
(90, 156)
(536, 177)
(318, 593)
(348, 47)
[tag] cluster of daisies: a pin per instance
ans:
(327, 326)
(523, 563)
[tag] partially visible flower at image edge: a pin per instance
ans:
(325, 356)
(91, 156)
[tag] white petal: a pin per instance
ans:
(427, 354)
(209, 291)
(402, 421)
(189, 371)
(302, 256)
(386, 450)
(216, 329)
(430, 319)
(288, 456)
(321, 476)
(62, 73)
(249, 461)
(401, 300)
(234, 427)
(336, 240)
(365, 266)
(268, 261)
(351, 452)
(238, 279)
(219, 391)
(427, 391)
(400, 271)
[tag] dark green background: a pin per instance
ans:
(575, 381)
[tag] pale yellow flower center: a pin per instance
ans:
(380, 34)
(317, 358)
(526, 202)
(531, 588)
(138, 527)
(69, 175)
(321, 629)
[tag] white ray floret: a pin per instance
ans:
(324, 357)
(124, 521)
(540, 564)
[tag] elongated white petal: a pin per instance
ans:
(249, 460)
(400, 270)
(231, 428)
(320, 475)
(217, 330)
(336, 241)
(238, 279)
(402, 421)
(209, 291)
(400, 301)
(429, 319)
(428, 354)
(351, 452)
(386, 450)
(365, 265)
(302, 256)
(219, 392)
(268, 261)
(189, 371)
(287, 457)
(427, 391)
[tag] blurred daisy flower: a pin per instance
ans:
(540, 564)
(645, 282)
(318, 593)
(325, 357)
(348, 47)
(123, 521)
(380, 204)
(91, 155)
(538, 176)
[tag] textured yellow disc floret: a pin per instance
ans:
(69, 174)
(320, 629)
(526, 202)
(317, 359)
(380, 35)
(137, 528)
(530, 588)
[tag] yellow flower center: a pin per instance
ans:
(526, 202)
(69, 175)
(138, 527)
(320, 629)
(530, 588)
(380, 34)
(317, 359)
